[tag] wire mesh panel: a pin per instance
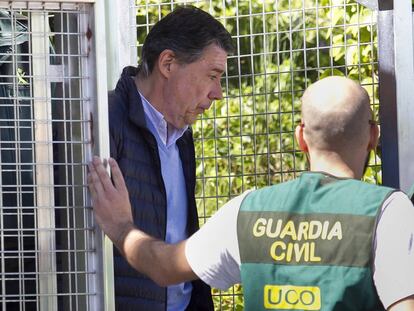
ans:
(246, 140)
(48, 256)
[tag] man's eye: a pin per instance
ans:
(213, 77)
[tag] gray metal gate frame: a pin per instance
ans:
(396, 81)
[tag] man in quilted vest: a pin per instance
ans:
(150, 110)
(324, 241)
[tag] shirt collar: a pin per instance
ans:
(160, 124)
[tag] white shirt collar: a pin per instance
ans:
(160, 124)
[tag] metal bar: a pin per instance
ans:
(50, 1)
(43, 5)
(44, 156)
(120, 36)
(387, 94)
(94, 283)
(404, 68)
(100, 134)
(396, 75)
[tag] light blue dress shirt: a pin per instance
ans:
(178, 296)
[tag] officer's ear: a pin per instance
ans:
(299, 132)
(373, 136)
(165, 61)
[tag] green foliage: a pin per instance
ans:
(247, 140)
(228, 300)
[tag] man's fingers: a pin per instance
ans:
(103, 175)
(91, 186)
(95, 185)
(117, 175)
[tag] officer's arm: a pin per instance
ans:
(164, 263)
(406, 304)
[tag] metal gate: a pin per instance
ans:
(51, 256)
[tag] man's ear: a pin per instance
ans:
(300, 139)
(373, 137)
(165, 61)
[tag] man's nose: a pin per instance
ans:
(216, 92)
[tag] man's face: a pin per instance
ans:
(191, 88)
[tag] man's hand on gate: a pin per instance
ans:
(110, 201)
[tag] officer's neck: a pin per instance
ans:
(336, 165)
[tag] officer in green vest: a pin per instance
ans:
(324, 241)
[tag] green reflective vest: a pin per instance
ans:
(307, 244)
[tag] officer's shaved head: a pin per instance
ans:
(336, 114)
